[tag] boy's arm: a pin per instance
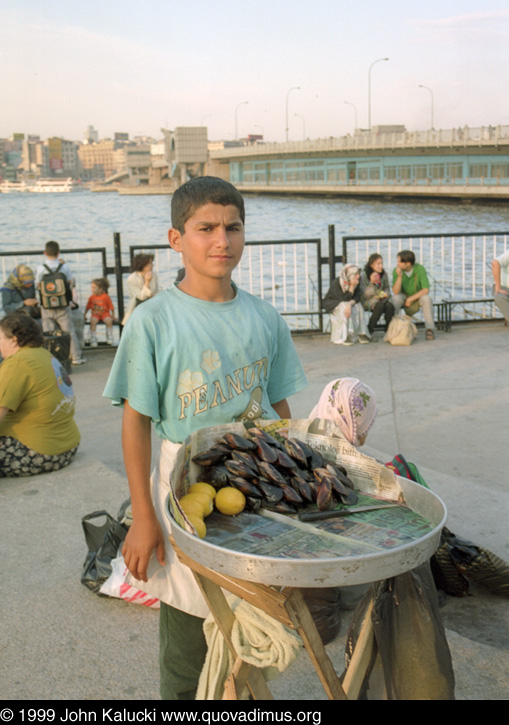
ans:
(145, 533)
(282, 408)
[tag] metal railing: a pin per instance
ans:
(285, 273)
(458, 265)
(288, 273)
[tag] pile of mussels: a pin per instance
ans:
(282, 476)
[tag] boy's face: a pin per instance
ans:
(211, 245)
(95, 289)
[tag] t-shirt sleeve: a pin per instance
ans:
(503, 259)
(133, 374)
(14, 384)
(286, 373)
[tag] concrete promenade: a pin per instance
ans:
(443, 404)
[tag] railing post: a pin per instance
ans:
(332, 253)
(118, 274)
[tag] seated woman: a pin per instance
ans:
(37, 428)
(376, 292)
(343, 302)
(350, 405)
(141, 284)
(18, 292)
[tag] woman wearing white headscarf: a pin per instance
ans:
(351, 405)
(343, 302)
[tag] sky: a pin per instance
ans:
(245, 67)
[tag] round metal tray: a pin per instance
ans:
(322, 572)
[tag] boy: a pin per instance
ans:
(61, 316)
(410, 287)
(199, 354)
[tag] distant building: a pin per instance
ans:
(90, 135)
(35, 158)
(186, 151)
(62, 157)
(97, 160)
(395, 128)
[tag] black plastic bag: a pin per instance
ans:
(103, 541)
(479, 564)
(409, 657)
(324, 607)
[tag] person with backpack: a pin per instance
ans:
(55, 282)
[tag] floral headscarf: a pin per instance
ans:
(21, 276)
(351, 405)
(347, 272)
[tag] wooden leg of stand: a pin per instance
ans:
(361, 657)
(247, 676)
(305, 626)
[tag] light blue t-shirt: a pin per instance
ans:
(190, 364)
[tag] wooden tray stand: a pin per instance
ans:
(288, 607)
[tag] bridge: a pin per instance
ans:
(463, 163)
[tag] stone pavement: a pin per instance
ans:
(443, 404)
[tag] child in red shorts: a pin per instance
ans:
(102, 309)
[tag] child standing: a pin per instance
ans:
(201, 353)
(101, 305)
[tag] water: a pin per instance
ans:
(287, 276)
(88, 219)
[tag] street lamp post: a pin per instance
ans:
(432, 105)
(303, 125)
(369, 88)
(295, 88)
(236, 109)
(355, 110)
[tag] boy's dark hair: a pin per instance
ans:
(407, 256)
(102, 283)
(141, 260)
(52, 249)
(26, 330)
(200, 191)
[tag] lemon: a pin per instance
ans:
(199, 525)
(201, 487)
(230, 501)
(202, 498)
(191, 507)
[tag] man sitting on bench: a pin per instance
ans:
(410, 287)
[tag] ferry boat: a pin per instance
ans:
(51, 186)
(13, 187)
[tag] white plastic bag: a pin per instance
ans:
(116, 586)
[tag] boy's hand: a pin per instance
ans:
(142, 538)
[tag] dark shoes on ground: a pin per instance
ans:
(430, 335)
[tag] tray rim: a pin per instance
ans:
(184, 538)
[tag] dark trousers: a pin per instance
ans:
(382, 307)
(182, 652)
